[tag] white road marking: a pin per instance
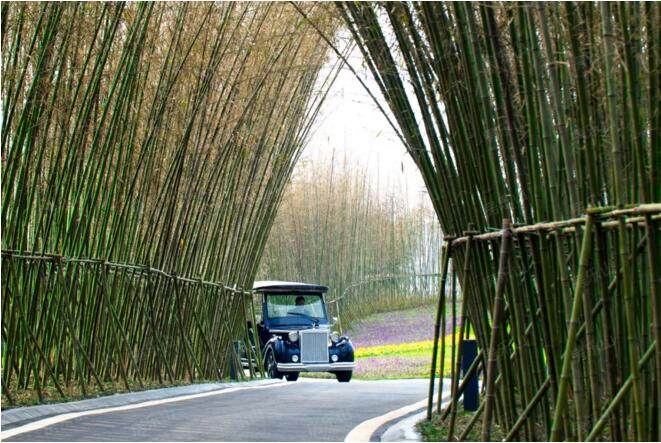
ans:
(40, 424)
(363, 432)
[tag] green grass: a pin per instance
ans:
(437, 429)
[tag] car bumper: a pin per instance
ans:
(316, 367)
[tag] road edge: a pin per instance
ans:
(364, 431)
(396, 425)
(32, 418)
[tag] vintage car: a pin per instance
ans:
(295, 332)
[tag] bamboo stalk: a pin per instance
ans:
(503, 270)
(561, 403)
(654, 285)
(615, 401)
(447, 252)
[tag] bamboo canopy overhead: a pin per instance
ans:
(532, 113)
(153, 140)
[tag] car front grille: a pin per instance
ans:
(314, 346)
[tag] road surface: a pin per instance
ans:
(307, 410)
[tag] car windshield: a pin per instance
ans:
(302, 306)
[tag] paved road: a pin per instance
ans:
(308, 410)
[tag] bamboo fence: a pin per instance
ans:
(145, 148)
(88, 321)
(533, 112)
(527, 379)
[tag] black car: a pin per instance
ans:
(295, 333)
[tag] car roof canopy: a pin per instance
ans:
(278, 287)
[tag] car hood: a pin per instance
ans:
(298, 327)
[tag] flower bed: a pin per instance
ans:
(397, 344)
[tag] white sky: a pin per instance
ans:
(350, 123)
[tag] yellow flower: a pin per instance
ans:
(421, 347)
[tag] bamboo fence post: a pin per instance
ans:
(441, 369)
(447, 252)
(473, 369)
(453, 291)
(503, 269)
(619, 397)
(655, 294)
(464, 307)
(561, 403)
(471, 423)
(528, 410)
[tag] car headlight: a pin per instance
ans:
(335, 336)
(334, 358)
(294, 358)
(293, 336)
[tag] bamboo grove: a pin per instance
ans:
(545, 115)
(145, 147)
(337, 226)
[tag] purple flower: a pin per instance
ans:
(411, 325)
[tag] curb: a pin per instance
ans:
(366, 430)
(16, 417)
(404, 428)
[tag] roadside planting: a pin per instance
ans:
(397, 344)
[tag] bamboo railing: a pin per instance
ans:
(567, 340)
(79, 321)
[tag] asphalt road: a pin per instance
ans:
(307, 410)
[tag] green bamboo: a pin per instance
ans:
(503, 270)
(624, 389)
(567, 83)
(561, 404)
(159, 128)
(447, 252)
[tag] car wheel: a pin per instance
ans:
(292, 376)
(272, 366)
(344, 376)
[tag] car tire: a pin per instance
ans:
(292, 376)
(271, 366)
(344, 376)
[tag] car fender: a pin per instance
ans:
(344, 350)
(276, 345)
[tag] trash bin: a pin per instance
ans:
(472, 392)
